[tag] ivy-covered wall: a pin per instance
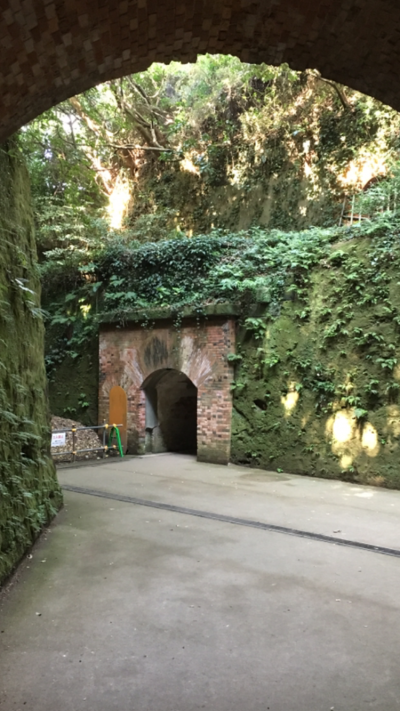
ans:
(317, 367)
(29, 492)
(317, 392)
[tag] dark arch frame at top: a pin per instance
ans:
(58, 48)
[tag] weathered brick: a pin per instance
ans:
(131, 354)
(354, 42)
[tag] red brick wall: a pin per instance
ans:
(129, 355)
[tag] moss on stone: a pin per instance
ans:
(29, 492)
(321, 394)
(74, 384)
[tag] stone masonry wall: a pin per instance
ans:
(53, 49)
(131, 354)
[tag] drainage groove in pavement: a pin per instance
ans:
(236, 521)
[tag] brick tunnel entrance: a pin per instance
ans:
(178, 382)
(171, 412)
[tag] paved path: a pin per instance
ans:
(133, 608)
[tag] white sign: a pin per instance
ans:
(58, 439)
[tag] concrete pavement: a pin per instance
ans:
(139, 609)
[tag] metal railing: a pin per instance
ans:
(102, 448)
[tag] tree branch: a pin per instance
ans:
(339, 90)
(135, 146)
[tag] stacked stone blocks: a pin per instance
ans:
(53, 49)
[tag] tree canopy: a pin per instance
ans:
(220, 119)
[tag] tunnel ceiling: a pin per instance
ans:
(53, 49)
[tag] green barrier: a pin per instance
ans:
(115, 430)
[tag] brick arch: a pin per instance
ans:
(132, 356)
(53, 49)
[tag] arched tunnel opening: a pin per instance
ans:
(58, 50)
(171, 412)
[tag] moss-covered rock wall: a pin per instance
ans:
(74, 380)
(29, 492)
(292, 164)
(187, 201)
(318, 394)
(317, 381)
